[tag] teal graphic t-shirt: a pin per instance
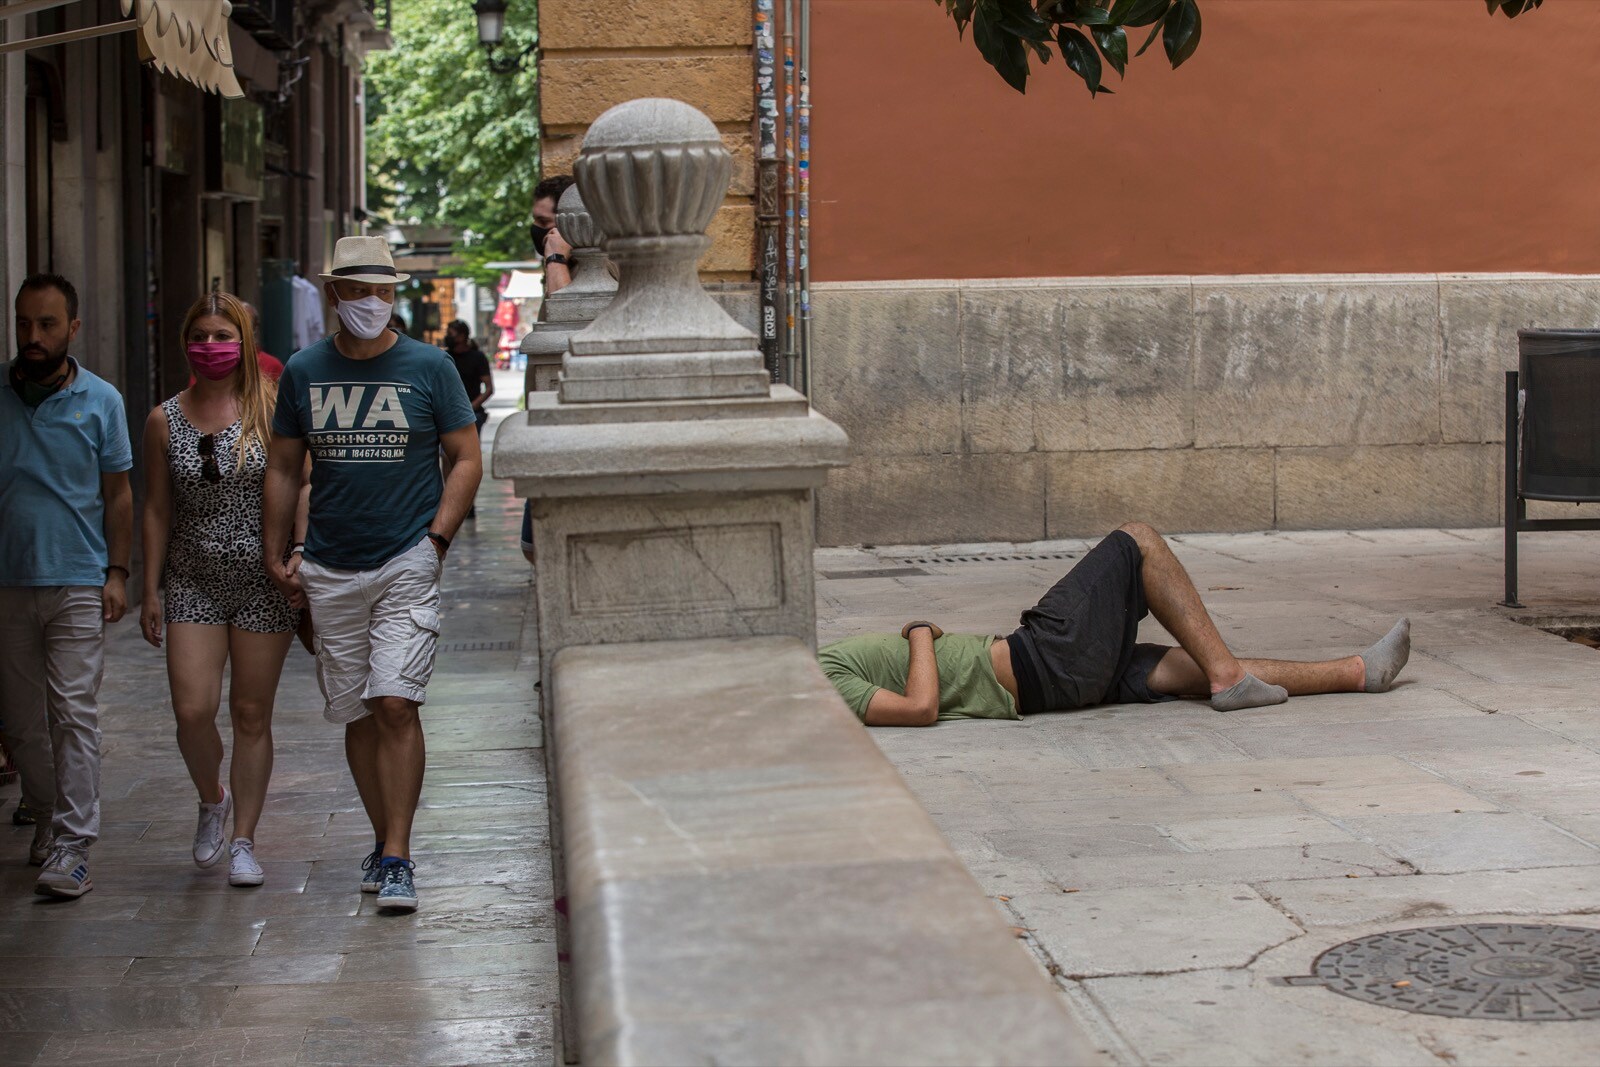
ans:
(373, 428)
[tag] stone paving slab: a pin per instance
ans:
(1172, 863)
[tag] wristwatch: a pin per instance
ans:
(441, 540)
(555, 257)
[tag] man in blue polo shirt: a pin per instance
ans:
(66, 532)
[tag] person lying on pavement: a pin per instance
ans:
(1079, 647)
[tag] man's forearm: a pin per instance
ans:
(279, 496)
(922, 674)
(119, 528)
(459, 488)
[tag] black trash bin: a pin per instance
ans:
(1552, 433)
(1559, 381)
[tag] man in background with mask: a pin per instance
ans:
(65, 543)
(373, 408)
(547, 240)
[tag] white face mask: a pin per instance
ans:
(367, 317)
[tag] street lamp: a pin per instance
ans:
(491, 29)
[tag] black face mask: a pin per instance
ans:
(539, 234)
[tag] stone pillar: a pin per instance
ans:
(571, 309)
(671, 482)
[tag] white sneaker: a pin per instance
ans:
(243, 870)
(65, 874)
(209, 839)
(39, 851)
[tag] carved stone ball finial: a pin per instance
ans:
(654, 168)
(592, 286)
(575, 222)
(653, 173)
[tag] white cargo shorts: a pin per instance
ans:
(376, 631)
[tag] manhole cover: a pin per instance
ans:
(1511, 971)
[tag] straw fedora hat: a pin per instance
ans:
(363, 259)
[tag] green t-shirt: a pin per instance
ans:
(968, 689)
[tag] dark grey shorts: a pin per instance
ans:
(1079, 644)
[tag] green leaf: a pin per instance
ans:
(1138, 12)
(1088, 13)
(1114, 46)
(1181, 35)
(1155, 31)
(1018, 17)
(1004, 51)
(961, 11)
(1080, 56)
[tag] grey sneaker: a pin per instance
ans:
(209, 840)
(371, 875)
(39, 851)
(66, 874)
(243, 870)
(397, 893)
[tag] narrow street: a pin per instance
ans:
(164, 963)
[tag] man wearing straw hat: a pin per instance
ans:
(373, 408)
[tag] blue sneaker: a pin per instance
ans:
(398, 893)
(371, 877)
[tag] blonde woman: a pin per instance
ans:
(205, 456)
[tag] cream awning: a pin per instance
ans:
(188, 39)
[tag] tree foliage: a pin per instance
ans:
(449, 143)
(1092, 34)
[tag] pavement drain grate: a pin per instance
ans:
(1579, 629)
(1517, 972)
(501, 592)
(877, 572)
(480, 646)
(992, 557)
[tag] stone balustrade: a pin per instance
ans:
(750, 881)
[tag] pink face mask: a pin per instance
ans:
(214, 359)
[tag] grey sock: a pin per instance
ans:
(1385, 659)
(1248, 692)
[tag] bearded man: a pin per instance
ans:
(65, 542)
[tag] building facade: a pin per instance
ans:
(147, 190)
(1276, 288)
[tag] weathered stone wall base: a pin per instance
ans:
(1039, 408)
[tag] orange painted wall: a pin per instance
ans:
(1305, 136)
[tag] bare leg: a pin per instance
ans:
(1175, 603)
(361, 752)
(257, 662)
(1178, 675)
(196, 655)
(401, 759)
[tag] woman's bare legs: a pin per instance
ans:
(196, 656)
(257, 663)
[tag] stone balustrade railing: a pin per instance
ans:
(750, 881)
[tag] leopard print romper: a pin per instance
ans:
(214, 572)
